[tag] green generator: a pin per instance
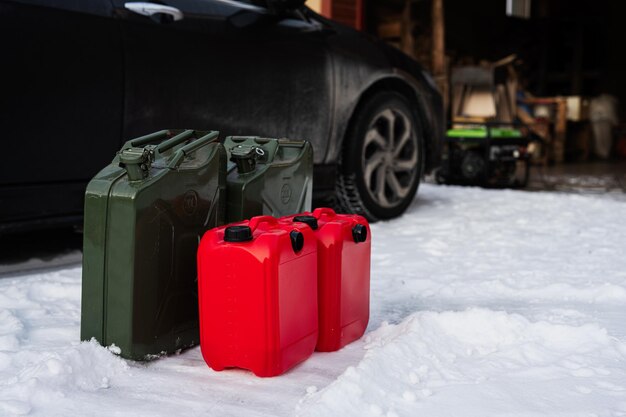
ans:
(267, 177)
(489, 155)
(144, 216)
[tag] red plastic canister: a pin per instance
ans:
(257, 289)
(343, 253)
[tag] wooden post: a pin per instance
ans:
(439, 53)
(560, 130)
(407, 42)
(359, 15)
(439, 49)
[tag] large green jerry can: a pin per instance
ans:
(144, 216)
(267, 177)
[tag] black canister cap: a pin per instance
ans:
(237, 234)
(297, 240)
(308, 220)
(359, 233)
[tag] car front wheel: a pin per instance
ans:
(382, 159)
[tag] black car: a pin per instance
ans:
(79, 77)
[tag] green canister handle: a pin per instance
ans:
(144, 140)
(158, 136)
(191, 147)
(170, 143)
(291, 143)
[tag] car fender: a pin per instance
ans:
(425, 97)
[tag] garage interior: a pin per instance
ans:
(556, 65)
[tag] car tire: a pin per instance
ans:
(382, 159)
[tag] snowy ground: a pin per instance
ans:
(484, 303)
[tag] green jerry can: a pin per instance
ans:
(267, 177)
(144, 216)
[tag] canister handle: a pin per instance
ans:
(144, 140)
(257, 220)
(158, 136)
(319, 212)
(170, 143)
(200, 142)
(191, 147)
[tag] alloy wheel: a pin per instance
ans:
(390, 157)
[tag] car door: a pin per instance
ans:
(60, 106)
(229, 66)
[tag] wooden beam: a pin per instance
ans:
(407, 41)
(358, 24)
(439, 68)
(439, 49)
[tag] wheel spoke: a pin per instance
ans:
(373, 136)
(406, 164)
(398, 190)
(404, 139)
(391, 123)
(380, 185)
(370, 166)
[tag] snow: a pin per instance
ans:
(484, 303)
(479, 362)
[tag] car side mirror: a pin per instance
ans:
(282, 6)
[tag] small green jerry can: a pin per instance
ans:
(144, 216)
(267, 176)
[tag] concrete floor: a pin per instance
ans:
(599, 177)
(606, 178)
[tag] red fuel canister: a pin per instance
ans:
(257, 289)
(343, 253)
